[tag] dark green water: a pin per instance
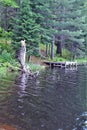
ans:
(55, 100)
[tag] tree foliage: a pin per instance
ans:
(70, 23)
(42, 21)
(25, 27)
(10, 3)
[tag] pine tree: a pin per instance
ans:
(85, 27)
(6, 12)
(26, 28)
(70, 23)
(41, 21)
(44, 17)
(77, 28)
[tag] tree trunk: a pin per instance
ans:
(6, 23)
(46, 49)
(19, 2)
(29, 58)
(71, 53)
(59, 47)
(1, 10)
(49, 49)
(52, 48)
(23, 56)
(61, 37)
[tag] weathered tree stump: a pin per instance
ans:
(22, 57)
(22, 61)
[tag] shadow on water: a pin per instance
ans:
(55, 100)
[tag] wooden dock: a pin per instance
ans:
(61, 64)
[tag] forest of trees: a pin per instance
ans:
(49, 22)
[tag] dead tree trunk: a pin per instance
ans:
(23, 55)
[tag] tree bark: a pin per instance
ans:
(49, 49)
(23, 55)
(72, 52)
(59, 47)
(46, 49)
(52, 48)
(61, 37)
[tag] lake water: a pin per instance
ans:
(54, 100)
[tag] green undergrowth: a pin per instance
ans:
(35, 67)
(7, 67)
(61, 59)
(3, 71)
(82, 60)
(57, 58)
(14, 67)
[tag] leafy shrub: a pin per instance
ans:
(4, 46)
(36, 67)
(59, 59)
(6, 52)
(5, 56)
(4, 33)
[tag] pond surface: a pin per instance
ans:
(54, 100)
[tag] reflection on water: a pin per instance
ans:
(55, 100)
(81, 122)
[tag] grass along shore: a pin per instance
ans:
(36, 64)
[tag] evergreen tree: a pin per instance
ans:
(70, 23)
(85, 27)
(42, 11)
(77, 28)
(9, 3)
(6, 11)
(44, 17)
(26, 28)
(7, 8)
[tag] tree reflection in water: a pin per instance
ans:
(23, 81)
(51, 101)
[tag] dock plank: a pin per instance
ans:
(61, 64)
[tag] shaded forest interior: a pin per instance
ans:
(52, 28)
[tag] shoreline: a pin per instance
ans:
(8, 67)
